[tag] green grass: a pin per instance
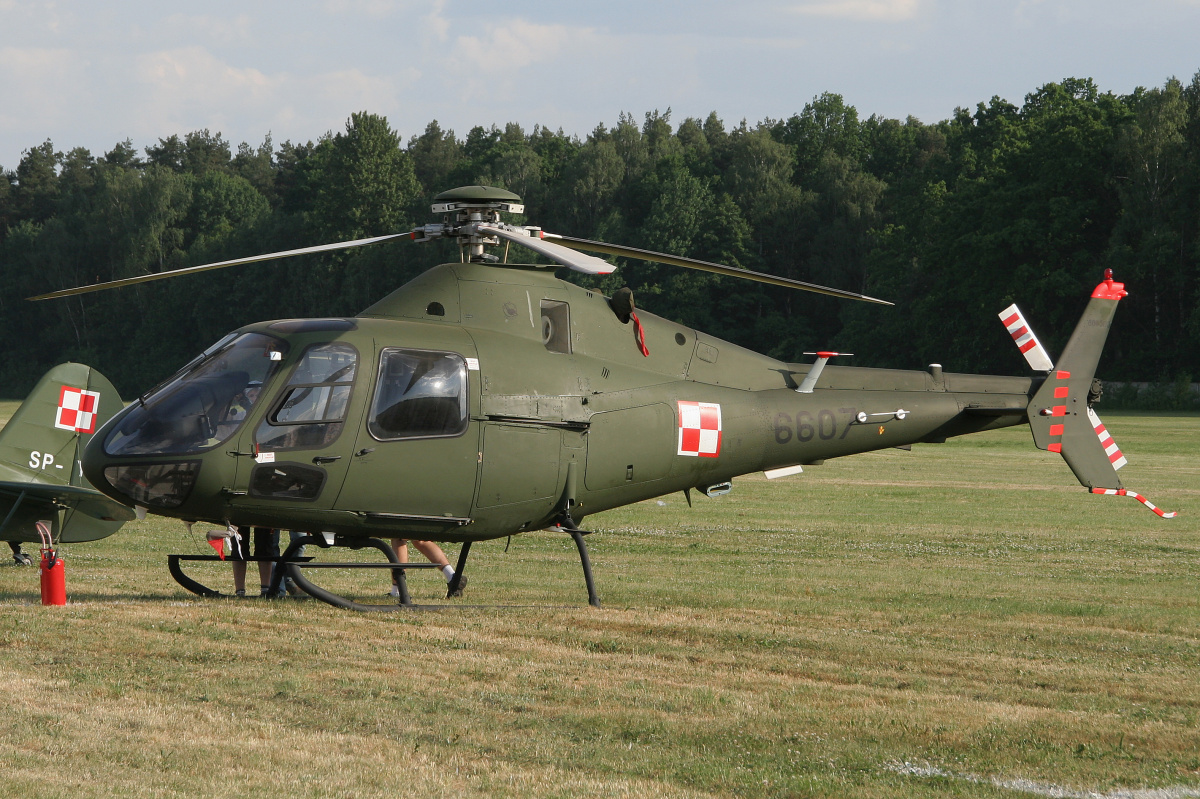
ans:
(965, 608)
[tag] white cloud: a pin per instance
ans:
(437, 23)
(374, 9)
(235, 30)
(862, 10)
(515, 64)
(189, 88)
(195, 74)
(355, 90)
(32, 84)
(516, 45)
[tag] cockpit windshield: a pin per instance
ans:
(204, 404)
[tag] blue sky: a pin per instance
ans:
(86, 74)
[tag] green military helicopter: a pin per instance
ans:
(487, 398)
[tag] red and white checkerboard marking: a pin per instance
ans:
(1106, 441)
(1026, 341)
(77, 410)
(699, 429)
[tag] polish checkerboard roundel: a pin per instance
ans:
(699, 429)
(77, 410)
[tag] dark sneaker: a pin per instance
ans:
(458, 590)
(21, 559)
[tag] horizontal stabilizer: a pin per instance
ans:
(89, 515)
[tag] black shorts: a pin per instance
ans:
(266, 543)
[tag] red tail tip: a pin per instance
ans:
(1109, 289)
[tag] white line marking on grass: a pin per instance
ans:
(1044, 788)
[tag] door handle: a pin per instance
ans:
(364, 451)
(326, 459)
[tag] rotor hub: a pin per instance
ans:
(466, 208)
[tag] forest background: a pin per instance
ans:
(952, 221)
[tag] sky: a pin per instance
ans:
(88, 74)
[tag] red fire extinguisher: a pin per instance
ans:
(54, 579)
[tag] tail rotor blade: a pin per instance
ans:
(1025, 339)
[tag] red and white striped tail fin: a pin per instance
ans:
(1124, 492)
(1106, 440)
(1025, 339)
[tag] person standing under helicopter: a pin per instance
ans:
(435, 555)
(19, 557)
(266, 550)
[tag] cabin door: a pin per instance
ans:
(416, 455)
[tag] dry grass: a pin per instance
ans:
(965, 607)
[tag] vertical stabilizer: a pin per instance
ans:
(40, 478)
(1060, 416)
(43, 439)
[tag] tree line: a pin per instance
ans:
(952, 221)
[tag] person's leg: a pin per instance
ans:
(266, 545)
(400, 547)
(288, 585)
(433, 552)
(239, 577)
(438, 557)
(19, 557)
(239, 551)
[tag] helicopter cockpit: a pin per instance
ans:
(204, 404)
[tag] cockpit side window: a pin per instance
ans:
(420, 394)
(311, 411)
(204, 404)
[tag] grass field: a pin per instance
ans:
(959, 620)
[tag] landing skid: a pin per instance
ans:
(290, 564)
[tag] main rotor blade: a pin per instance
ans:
(706, 266)
(129, 281)
(555, 252)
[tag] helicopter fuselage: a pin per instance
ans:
(479, 401)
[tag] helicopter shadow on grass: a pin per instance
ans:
(34, 598)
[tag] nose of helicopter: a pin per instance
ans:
(161, 486)
(150, 453)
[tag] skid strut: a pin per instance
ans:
(567, 525)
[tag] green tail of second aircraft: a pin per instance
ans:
(40, 477)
